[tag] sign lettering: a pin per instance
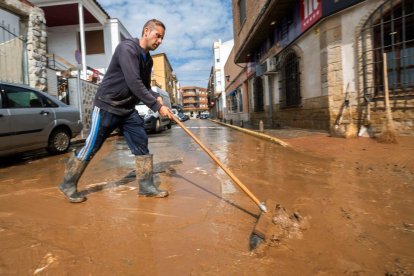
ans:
(310, 12)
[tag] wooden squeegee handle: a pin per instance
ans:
(225, 169)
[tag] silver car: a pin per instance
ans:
(31, 119)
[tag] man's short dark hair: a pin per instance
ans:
(151, 25)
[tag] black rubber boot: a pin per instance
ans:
(74, 170)
(145, 177)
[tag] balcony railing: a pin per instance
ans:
(189, 94)
(189, 101)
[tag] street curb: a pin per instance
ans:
(256, 134)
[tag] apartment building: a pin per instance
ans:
(312, 61)
(194, 99)
(164, 77)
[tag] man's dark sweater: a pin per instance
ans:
(127, 81)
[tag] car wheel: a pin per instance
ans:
(157, 125)
(59, 141)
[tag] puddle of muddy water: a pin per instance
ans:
(358, 223)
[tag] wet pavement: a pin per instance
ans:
(359, 212)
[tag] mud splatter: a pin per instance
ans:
(285, 225)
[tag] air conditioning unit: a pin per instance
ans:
(260, 69)
(272, 64)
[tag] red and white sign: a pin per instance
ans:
(310, 12)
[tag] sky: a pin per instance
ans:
(191, 28)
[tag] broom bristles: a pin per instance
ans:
(351, 131)
(388, 136)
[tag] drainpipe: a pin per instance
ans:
(82, 39)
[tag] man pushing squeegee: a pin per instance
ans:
(126, 83)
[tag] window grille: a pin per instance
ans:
(290, 94)
(235, 100)
(389, 30)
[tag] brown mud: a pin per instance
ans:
(348, 209)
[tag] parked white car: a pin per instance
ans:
(153, 121)
(31, 119)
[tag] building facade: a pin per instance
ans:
(319, 63)
(164, 77)
(221, 52)
(81, 32)
(194, 99)
(237, 93)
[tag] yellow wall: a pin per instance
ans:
(162, 74)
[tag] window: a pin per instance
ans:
(94, 42)
(242, 11)
(258, 94)
(290, 94)
(235, 101)
(389, 30)
(23, 98)
(233, 104)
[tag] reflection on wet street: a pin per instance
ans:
(203, 227)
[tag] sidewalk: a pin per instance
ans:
(366, 151)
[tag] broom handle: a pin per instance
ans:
(225, 169)
(386, 92)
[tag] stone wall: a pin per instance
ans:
(372, 114)
(313, 114)
(36, 49)
(331, 68)
(88, 95)
(402, 114)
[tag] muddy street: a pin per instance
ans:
(359, 221)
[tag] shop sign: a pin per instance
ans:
(310, 12)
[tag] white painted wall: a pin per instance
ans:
(62, 41)
(350, 19)
(221, 52)
(276, 87)
(111, 38)
(310, 65)
(266, 89)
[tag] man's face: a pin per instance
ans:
(154, 37)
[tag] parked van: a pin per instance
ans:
(153, 121)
